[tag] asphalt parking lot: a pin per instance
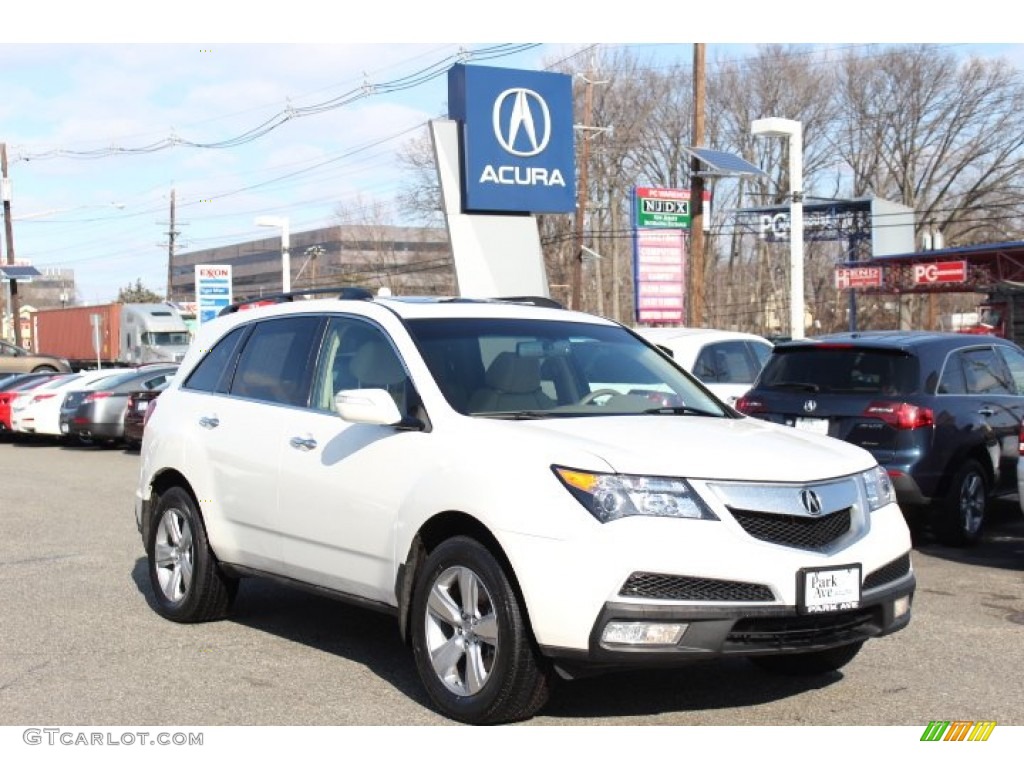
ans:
(80, 645)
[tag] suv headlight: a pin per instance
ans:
(610, 497)
(878, 488)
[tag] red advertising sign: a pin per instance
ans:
(660, 276)
(858, 277)
(940, 272)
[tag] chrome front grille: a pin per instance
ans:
(814, 533)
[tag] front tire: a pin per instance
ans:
(962, 512)
(187, 582)
(472, 646)
(809, 664)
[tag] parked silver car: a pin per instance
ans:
(97, 413)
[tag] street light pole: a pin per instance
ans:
(793, 131)
(13, 301)
(286, 260)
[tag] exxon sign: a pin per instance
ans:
(518, 146)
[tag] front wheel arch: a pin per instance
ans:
(432, 533)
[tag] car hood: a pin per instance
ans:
(694, 446)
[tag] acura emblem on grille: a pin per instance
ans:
(811, 501)
(810, 405)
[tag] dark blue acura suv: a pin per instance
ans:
(940, 411)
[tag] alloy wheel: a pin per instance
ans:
(174, 555)
(461, 630)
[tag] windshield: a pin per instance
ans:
(165, 338)
(512, 368)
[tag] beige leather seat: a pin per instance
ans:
(512, 384)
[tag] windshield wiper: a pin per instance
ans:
(803, 386)
(680, 410)
(515, 415)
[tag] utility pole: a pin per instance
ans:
(576, 282)
(576, 298)
(15, 305)
(697, 270)
(171, 234)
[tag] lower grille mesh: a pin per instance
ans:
(897, 569)
(798, 631)
(659, 586)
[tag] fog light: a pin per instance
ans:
(641, 633)
(901, 606)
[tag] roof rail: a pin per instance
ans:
(536, 301)
(346, 292)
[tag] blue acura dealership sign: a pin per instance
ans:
(518, 147)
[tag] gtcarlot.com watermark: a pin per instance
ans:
(69, 737)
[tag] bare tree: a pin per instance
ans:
(376, 252)
(940, 136)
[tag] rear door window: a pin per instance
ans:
(726, 362)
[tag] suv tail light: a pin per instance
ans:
(749, 405)
(901, 415)
(149, 412)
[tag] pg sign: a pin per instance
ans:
(940, 272)
(518, 145)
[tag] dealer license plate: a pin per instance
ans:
(817, 426)
(824, 590)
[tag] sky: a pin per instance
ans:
(101, 105)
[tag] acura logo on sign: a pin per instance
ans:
(527, 129)
(811, 501)
(810, 406)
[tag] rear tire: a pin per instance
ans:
(472, 646)
(187, 581)
(962, 511)
(809, 664)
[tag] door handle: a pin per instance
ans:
(303, 443)
(209, 422)
(986, 412)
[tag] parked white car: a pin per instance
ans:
(38, 411)
(726, 362)
(453, 464)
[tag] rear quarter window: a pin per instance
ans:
(212, 373)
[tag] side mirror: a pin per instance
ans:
(367, 406)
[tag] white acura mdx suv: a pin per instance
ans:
(533, 493)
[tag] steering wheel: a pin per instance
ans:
(590, 397)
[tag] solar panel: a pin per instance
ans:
(718, 163)
(19, 273)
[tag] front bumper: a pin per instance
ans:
(738, 631)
